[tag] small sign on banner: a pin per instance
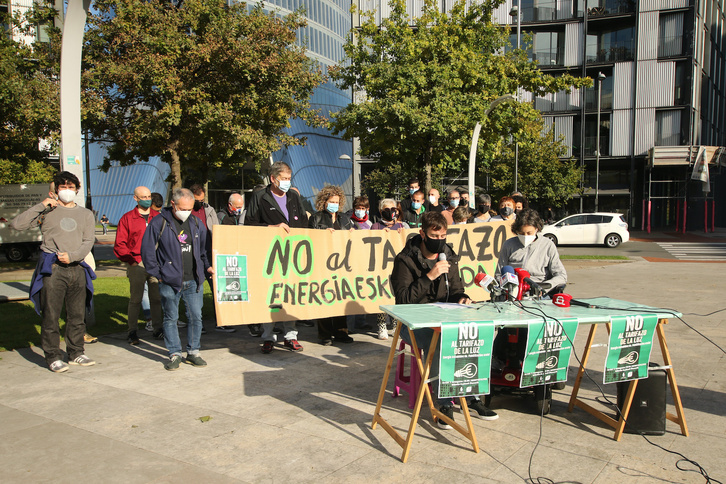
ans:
(549, 345)
(629, 347)
(231, 274)
(466, 358)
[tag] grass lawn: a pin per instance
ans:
(21, 325)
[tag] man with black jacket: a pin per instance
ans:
(278, 206)
(416, 279)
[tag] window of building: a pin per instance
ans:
(606, 102)
(591, 134)
(668, 127)
(548, 48)
(610, 45)
(539, 10)
(670, 34)
(596, 8)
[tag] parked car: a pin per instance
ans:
(609, 229)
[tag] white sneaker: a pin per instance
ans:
(382, 330)
(82, 360)
(149, 326)
(58, 366)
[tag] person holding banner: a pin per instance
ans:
(278, 206)
(390, 216)
(420, 275)
(328, 203)
(360, 217)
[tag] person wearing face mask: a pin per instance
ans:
(127, 247)
(532, 252)
(454, 199)
(329, 203)
(464, 202)
(413, 186)
(520, 203)
(359, 215)
(417, 279)
(174, 251)
(234, 213)
(432, 202)
(62, 276)
(412, 216)
(390, 216)
(506, 210)
(483, 205)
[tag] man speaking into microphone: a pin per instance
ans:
(427, 271)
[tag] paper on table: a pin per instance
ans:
(450, 305)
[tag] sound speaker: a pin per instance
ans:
(648, 409)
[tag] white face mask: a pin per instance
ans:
(432, 199)
(526, 239)
(66, 196)
(182, 215)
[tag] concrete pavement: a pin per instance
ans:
(302, 417)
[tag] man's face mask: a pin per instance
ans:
(434, 246)
(484, 208)
(198, 204)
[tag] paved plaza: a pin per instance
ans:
(304, 417)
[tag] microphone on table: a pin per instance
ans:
(523, 286)
(510, 282)
(488, 283)
(565, 301)
(535, 289)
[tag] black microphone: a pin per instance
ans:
(534, 287)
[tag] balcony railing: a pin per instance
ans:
(548, 58)
(610, 7)
(615, 53)
(591, 145)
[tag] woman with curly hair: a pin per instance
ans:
(329, 204)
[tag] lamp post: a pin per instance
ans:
(600, 78)
(346, 157)
(475, 141)
(514, 12)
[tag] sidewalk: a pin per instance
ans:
(695, 236)
(304, 417)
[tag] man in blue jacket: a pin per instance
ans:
(174, 251)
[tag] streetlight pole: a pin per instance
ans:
(600, 78)
(475, 141)
(515, 11)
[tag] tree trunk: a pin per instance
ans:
(427, 169)
(176, 179)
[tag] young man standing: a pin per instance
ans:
(412, 216)
(413, 187)
(61, 275)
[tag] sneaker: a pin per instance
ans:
(181, 324)
(255, 330)
(82, 360)
(88, 339)
(447, 410)
(478, 409)
(149, 326)
(267, 347)
(158, 334)
(173, 363)
(58, 366)
(133, 338)
(293, 345)
(343, 338)
(225, 329)
(195, 360)
(382, 330)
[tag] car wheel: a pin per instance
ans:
(16, 254)
(612, 240)
(552, 238)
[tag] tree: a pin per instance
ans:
(29, 100)
(543, 175)
(199, 83)
(426, 81)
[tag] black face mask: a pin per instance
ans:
(484, 208)
(389, 214)
(198, 205)
(517, 211)
(506, 211)
(434, 246)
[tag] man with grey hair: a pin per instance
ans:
(278, 206)
(234, 213)
(483, 205)
(174, 250)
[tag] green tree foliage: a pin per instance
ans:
(29, 98)
(424, 83)
(391, 181)
(544, 177)
(199, 83)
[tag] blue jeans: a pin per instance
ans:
(193, 301)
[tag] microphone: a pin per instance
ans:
(510, 282)
(487, 282)
(565, 301)
(442, 256)
(522, 277)
(535, 288)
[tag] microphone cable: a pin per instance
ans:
(699, 469)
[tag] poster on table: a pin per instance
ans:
(549, 346)
(629, 347)
(309, 274)
(466, 358)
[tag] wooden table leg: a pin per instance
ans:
(625, 411)
(384, 383)
(680, 417)
(583, 365)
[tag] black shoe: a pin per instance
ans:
(326, 342)
(255, 330)
(133, 338)
(447, 410)
(158, 334)
(173, 363)
(267, 347)
(195, 360)
(478, 409)
(343, 338)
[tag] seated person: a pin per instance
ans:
(416, 279)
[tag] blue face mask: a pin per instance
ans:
(284, 185)
(415, 205)
(360, 213)
(412, 190)
(454, 203)
(332, 207)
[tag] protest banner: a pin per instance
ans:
(549, 346)
(264, 274)
(629, 347)
(466, 358)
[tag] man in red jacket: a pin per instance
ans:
(127, 248)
